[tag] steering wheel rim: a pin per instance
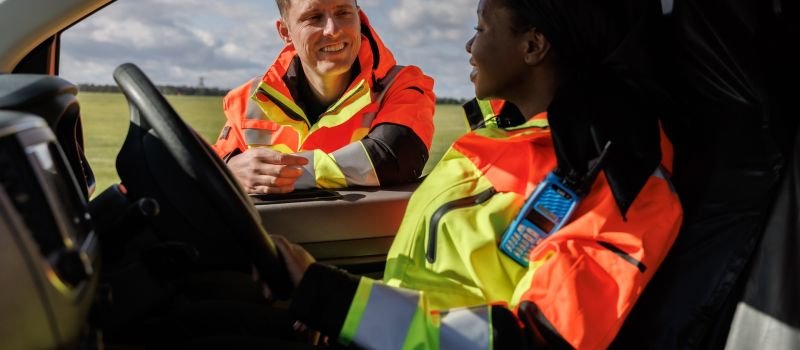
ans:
(151, 111)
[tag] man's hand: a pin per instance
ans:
(264, 170)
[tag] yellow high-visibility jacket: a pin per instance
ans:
(448, 285)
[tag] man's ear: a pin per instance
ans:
(536, 46)
(283, 30)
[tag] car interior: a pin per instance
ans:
(178, 211)
(177, 222)
(81, 273)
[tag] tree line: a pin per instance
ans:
(164, 89)
(211, 91)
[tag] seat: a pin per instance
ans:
(53, 99)
(733, 132)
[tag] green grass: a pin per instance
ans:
(450, 123)
(105, 123)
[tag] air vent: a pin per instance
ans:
(19, 181)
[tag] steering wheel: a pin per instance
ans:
(151, 111)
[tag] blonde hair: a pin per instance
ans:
(283, 5)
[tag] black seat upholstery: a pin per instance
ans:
(733, 131)
(53, 99)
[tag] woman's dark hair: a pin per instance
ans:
(520, 21)
(607, 92)
(582, 31)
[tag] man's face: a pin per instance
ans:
(496, 52)
(325, 33)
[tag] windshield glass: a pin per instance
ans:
(197, 51)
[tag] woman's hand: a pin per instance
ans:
(297, 262)
(297, 259)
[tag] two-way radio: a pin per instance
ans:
(547, 210)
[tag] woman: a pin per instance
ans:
(447, 282)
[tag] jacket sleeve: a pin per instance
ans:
(395, 149)
(580, 285)
(410, 102)
(235, 107)
(389, 154)
(372, 315)
(585, 279)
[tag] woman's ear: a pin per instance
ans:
(536, 46)
(283, 31)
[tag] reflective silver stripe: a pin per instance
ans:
(367, 119)
(257, 137)
(385, 82)
(309, 178)
(355, 164)
(757, 329)
(661, 174)
(387, 317)
(467, 328)
(666, 6)
(253, 110)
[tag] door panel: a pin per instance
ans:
(350, 232)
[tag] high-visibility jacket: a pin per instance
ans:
(447, 284)
(378, 132)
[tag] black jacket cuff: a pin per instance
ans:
(323, 298)
(233, 153)
(397, 153)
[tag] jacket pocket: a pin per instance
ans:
(430, 253)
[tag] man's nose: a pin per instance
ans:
(468, 46)
(330, 26)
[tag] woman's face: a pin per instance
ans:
(496, 52)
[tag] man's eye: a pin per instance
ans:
(478, 29)
(345, 13)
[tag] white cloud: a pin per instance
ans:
(432, 35)
(178, 40)
(205, 36)
(228, 42)
(139, 34)
(80, 71)
(417, 14)
(423, 21)
(369, 3)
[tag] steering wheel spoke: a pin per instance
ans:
(151, 112)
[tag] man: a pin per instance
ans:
(334, 109)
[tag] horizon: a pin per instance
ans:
(180, 42)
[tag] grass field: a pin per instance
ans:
(105, 122)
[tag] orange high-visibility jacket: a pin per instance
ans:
(448, 285)
(378, 132)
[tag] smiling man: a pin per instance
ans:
(334, 109)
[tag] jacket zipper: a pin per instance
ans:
(344, 101)
(338, 105)
(446, 208)
(289, 112)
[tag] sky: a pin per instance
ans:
(176, 42)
